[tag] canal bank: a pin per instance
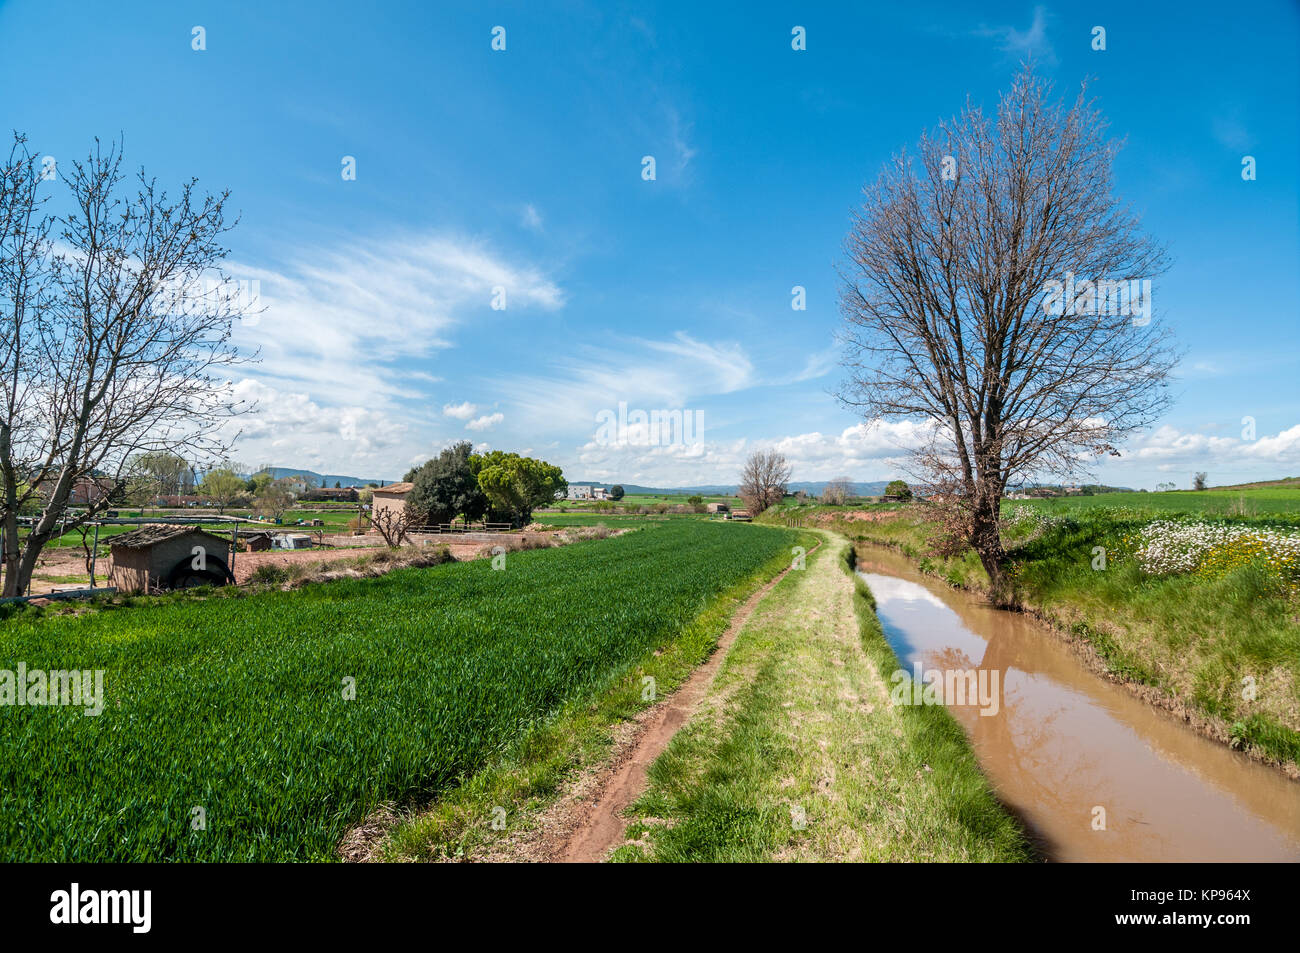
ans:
(1094, 772)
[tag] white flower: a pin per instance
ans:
(1170, 547)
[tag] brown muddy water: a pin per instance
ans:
(1065, 745)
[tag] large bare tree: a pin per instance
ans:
(115, 338)
(763, 480)
(989, 294)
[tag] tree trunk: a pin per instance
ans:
(986, 540)
(12, 553)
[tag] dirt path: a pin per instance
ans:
(596, 824)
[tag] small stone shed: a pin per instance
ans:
(391, 497)
(718, 507)
(255, 542)
(162, 556)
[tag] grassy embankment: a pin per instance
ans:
(241, 707)
(797, 754)
(1201, 639)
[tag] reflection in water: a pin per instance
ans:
(1064, 742)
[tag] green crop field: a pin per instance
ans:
(674, 498)
(236, 705)
(1262, 501)
(584, 518)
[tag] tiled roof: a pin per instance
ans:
(153, 533)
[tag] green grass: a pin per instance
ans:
(572, 518)
(796, 753)
(1262, 501)
(649, 499)
(236, 705)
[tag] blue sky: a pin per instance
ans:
(522, 169)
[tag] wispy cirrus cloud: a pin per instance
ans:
(351, 317)
(1020, 44)
(643, 372)
(530, 218)
(348, 336)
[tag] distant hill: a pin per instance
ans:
(322, 479)
(1284, 482)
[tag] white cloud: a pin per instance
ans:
(1170, 448)
(486, 422)
(288, 428)
(683, 151)
(463, 411)
(863, 451)
(340, 318)
(879, 450)
(818, 365)
(639, 373)
(337, 330)
(531, 218)
(1024, 43)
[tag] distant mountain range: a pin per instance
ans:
(719, 489)
(711, 489)
(321, 479)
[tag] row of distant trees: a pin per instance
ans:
(155, 476)
(159, 477)
(765, 480)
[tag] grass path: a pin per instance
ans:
(602, 825)
(796, 754)
(526, 805)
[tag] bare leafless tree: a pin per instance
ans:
(963, 310)
(116, 338)
(393, 524)
(838, 491)
(763, 480)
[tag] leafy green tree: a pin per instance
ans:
(695, 500)
(898, 488)
(616, 492)
(223, 487)
(446, 487)
(516, 485)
